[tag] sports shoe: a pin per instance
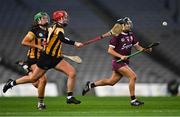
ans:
(73, 100)
(86, 88)
(7, 85)
(136, 103)
(41, 106)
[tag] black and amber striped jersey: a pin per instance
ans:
(54, 46)
(39, 37)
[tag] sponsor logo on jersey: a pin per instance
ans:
(126, 46)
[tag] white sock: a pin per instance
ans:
(68, 97)
(133, 100)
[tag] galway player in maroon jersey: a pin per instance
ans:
(120, 47)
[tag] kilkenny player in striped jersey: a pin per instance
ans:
(51, 58)
(35, 39)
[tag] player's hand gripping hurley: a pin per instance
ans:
(140, 51)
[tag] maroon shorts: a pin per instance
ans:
(116, 66)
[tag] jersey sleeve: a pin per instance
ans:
(113, 42)
(65, 39)
(30, 35)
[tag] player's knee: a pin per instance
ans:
(43, 80)
(72, 74)
(35, 84)
(33, 80)
(133, 77)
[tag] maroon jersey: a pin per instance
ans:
(122, 44)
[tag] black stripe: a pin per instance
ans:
(52, 47)
(36, 50)
(57, 50)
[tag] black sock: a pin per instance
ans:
(133, 97)
(70, 93)
(93, 85)
(40, 99)
(13, 83)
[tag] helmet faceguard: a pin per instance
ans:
(128, 21)
(60, 17)
(120, 21)
(42, 18)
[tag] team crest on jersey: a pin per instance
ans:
(40, 34)
(122, 39)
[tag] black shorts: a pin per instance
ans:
(31, 61)
(47, 61)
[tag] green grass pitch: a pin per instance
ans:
(90, 106)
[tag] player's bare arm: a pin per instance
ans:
(28, 41)
(138, 47)
(115, 54)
